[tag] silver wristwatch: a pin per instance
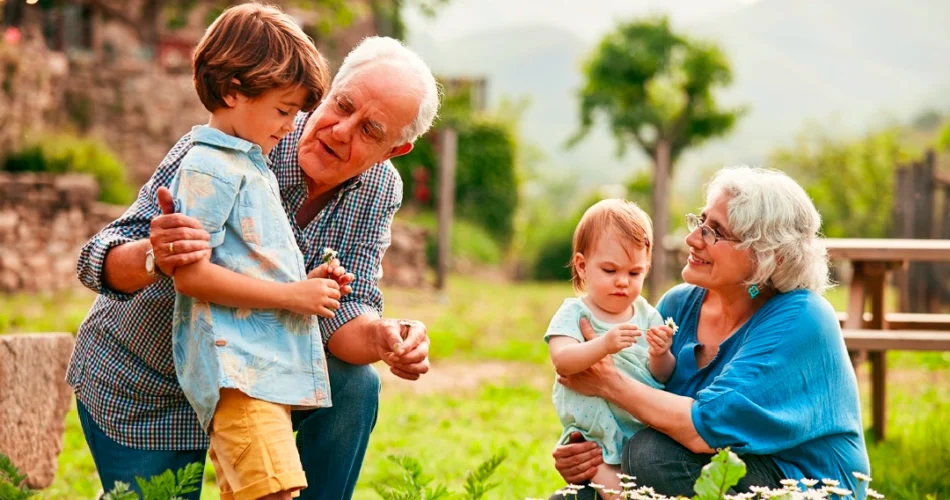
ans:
(150, 266)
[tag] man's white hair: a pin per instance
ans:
(773, 216)
(385, 49)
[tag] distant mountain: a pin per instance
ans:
(850, 63)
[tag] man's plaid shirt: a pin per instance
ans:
(122, 368)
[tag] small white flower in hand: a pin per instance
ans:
(328, 255)
(672, 324)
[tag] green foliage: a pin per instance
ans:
(12, 483)
(62, 153)
(486, 184)
(165, 486)
(471, 244)
(476, 482)
(943, 142)
(653, 85)
(721, 473)
(851, 183)
(551, 262)
(413, 484)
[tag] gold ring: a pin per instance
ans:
(171, 247)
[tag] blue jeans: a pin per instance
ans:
(331, 441)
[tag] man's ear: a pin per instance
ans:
(399, 150)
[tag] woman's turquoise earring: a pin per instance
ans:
(753, 291)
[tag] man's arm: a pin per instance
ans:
(112, 262)
(357, 333)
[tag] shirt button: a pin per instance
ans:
(220, 342)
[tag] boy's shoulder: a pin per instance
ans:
(223, 163)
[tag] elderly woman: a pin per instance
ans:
(761, 365)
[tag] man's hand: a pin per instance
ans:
(404, 346)
(335, 272)
(176, 239)
(577, 462)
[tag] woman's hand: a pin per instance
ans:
(577, 462)
(596, 380)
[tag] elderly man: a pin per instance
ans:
(339, 191)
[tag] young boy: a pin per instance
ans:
(247, 346)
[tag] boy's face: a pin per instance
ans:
(267, 118)
(358, 125)
(613, 273)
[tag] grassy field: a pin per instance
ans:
(451, 427)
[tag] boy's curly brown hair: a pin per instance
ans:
(252, 48)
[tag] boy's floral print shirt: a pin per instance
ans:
(272, 355)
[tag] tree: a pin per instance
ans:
(655, 90)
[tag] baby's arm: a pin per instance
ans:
(662, 362)
(570, 356)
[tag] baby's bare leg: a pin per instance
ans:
(607, 476)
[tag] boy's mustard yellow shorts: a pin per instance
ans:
(253, 449)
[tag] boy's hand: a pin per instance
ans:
(660, 339)
(318, 296)
(620, 337)
(336, 272)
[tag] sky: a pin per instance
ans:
(587, 19)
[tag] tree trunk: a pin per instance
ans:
(661, 216)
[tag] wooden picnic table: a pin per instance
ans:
(871, 260)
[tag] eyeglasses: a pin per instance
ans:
(710, 235)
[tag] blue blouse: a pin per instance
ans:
(782, 385)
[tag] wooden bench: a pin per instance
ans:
(906, 321)
(878, 342)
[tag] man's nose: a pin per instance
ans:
(343, 130)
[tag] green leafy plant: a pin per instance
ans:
(12, 483)
(413, 484)
(165, 486)
(62, 153)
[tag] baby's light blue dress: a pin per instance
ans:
(595, 418)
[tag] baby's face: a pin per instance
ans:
(614, 274)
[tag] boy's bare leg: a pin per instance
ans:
(607, 476)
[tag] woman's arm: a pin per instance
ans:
(666, 412)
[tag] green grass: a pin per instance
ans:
(51, 312)
(480, 319)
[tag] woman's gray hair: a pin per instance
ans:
(773, 216)
(385, 49)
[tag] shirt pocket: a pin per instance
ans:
(263, 220)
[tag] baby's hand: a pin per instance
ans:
(620, 337)
(660, 339)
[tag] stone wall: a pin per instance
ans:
(45, 220)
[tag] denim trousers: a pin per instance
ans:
(331, 441)
(658, 461)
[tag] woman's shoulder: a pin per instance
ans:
(803, 311)
(678, 297)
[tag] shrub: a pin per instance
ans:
(62, 153)
(486, 184)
